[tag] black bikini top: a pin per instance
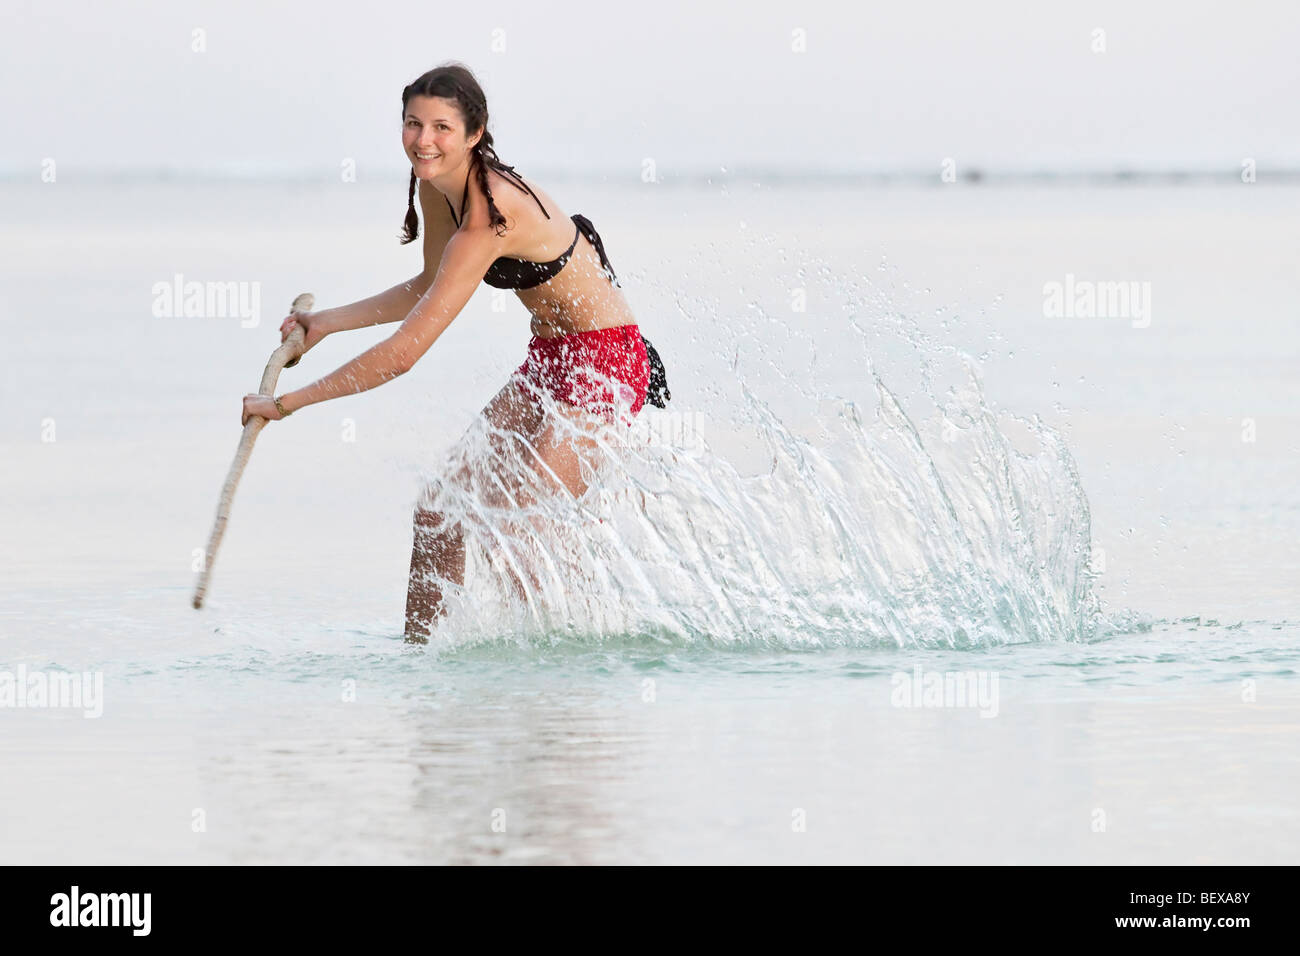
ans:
(508, 273)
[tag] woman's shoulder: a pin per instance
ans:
(511, 193)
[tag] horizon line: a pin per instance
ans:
(692, 176)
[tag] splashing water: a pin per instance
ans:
(867, 529)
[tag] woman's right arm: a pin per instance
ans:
(395, 304)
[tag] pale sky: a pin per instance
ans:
(595, 87)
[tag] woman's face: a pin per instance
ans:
(433, 135)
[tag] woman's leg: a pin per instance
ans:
(437, 554)
(562, 457)
(438, 547)
(565, 450)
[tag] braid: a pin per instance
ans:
(411, 227)
(483, 150)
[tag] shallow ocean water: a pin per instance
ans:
(1155, 725)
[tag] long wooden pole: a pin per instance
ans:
(286, 356)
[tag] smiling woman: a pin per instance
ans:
(587, 366)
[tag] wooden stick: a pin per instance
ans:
(286, 356)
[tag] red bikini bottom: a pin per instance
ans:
(596, 371)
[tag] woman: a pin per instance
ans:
(586, 364)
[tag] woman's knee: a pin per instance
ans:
(568, 454)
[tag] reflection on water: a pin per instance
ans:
(319, 747)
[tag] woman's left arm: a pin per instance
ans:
(464, 262)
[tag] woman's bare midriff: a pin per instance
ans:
(580, 298)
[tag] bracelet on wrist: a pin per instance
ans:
(280, 408)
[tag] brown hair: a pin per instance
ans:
(454, 81)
